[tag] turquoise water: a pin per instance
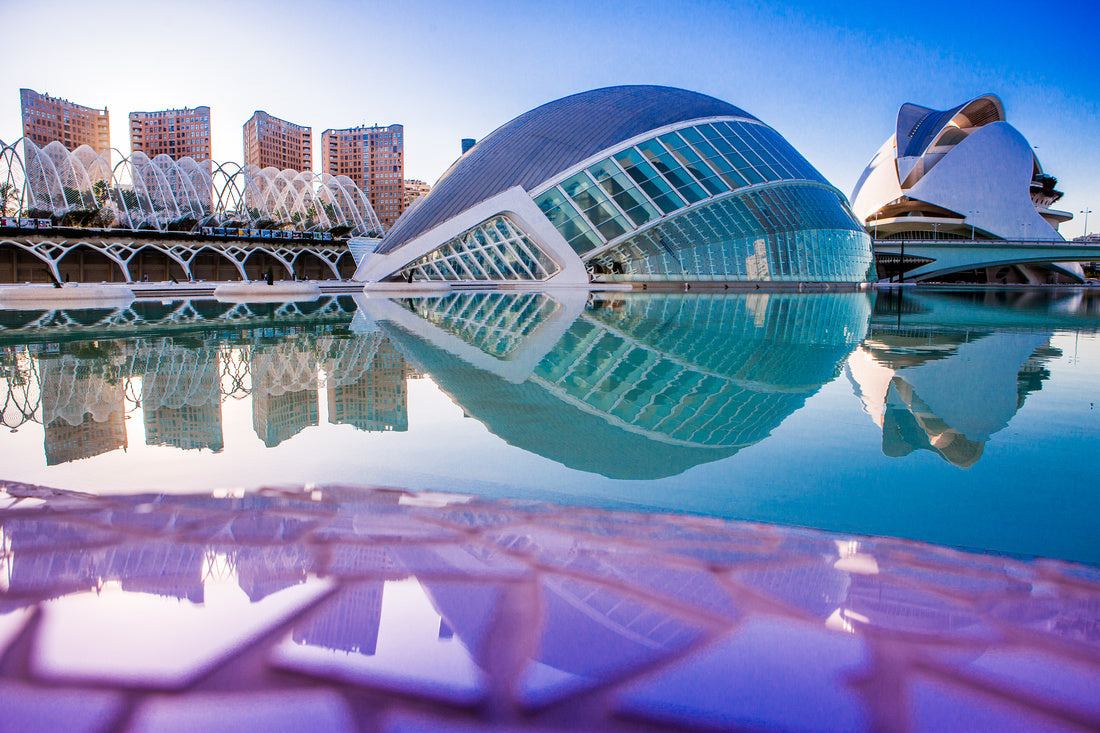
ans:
(962, 418)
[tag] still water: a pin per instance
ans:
(962, 418)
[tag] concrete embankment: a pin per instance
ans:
(72, 295)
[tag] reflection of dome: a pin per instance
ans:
(630, 183)
(643, 387)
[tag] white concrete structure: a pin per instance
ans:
(962, 173)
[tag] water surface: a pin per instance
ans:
(964, 418)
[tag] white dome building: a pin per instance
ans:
(962, 173)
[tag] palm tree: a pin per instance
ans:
(8, 193)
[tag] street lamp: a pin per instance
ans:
(970, 215)
(1086, 211)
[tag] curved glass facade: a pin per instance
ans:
(658, 177)
(636, 184)
(789, 232)
(787, 224)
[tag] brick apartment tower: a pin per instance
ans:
(415, 189)
(177, 133)
(273, 143)
(374, 158)
(47, 118)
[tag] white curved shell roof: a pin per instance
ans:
(967, 160)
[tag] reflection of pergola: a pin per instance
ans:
(164, 194)
(174, 375)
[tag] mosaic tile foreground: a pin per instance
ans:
(351, 609)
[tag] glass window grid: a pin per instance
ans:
(663, 162)
(765, 148)
(632, 202)
(729, 152)
(632, 186)
(569, 222)
(595, 205)
(748, 149)
(821, 245)
(694, 164)
(493, 250)
(659, 191)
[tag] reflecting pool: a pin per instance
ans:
(961, 418)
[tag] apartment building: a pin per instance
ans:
(177, 133)
(415, 189)
(270, 142)
(46, 119)
(374, 158)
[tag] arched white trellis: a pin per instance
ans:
(163, 194)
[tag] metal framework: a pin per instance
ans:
(163, 194)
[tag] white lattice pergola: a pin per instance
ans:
(165, 194)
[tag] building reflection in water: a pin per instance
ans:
(83, 386)
(945, 388)
(631, 387)
(628, 386)
(540, 609)
(82, 402)
(181, 394)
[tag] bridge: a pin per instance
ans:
(925, 259)
(125, 256)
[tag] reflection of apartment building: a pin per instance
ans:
(47, 118)
(374, 158)
(82, 405)
(278, 417)
(177, 133)
(188, 427)
(181, 394)
(349, 622)
(262, 571)
(414, 189)
(65, 442)
(273, 143)
(378, 399)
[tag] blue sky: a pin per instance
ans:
(829, 76)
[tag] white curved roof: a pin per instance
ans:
(967, 160)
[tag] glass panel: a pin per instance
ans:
(596, 206)
(654, 186)
(747, 148)
(663, 161)
(584, 243)
(728, 173)
(550, 199)
(736, 159)
(618, 186)
(695, 165)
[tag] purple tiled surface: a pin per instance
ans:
(355, 609)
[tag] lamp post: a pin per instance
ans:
(970, 215)
(1086, 211)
